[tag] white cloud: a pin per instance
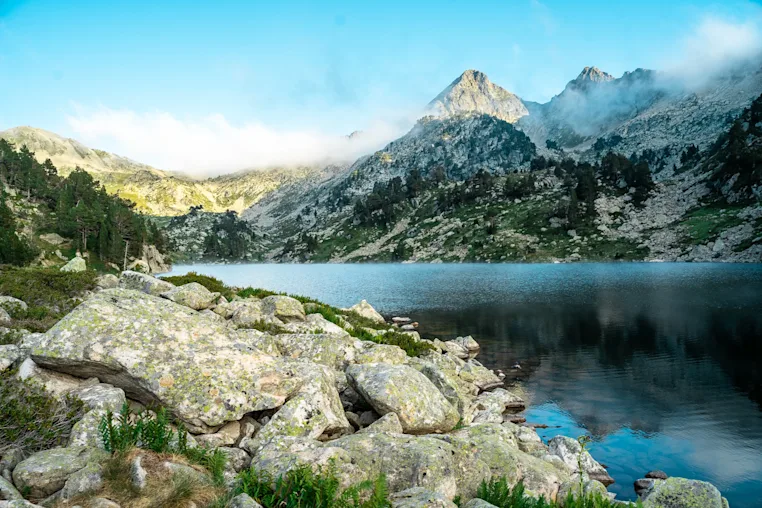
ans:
(211, 145)
(715, 46)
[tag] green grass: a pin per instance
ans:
(705, 224)
(498, 492)
(302, 487)
(49, 293)
(31, 419)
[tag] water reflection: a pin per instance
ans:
(660, 363)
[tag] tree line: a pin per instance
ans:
(76, 207)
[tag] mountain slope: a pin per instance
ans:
(473, 92)
(447, 190)
(154, 191)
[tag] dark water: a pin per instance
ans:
(660, 363)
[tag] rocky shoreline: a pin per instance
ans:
(275, 384)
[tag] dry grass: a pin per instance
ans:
(164, 488)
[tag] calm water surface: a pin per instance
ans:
(660, 363)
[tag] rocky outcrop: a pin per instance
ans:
(192, 295)
(399, 389)
(160, 352)
(683, 493)
(570, 451)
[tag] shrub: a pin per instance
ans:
(152, 431)
(30, 418)
(212, 284)
(267, 327)
(255, 293)
(302, 487)
(411, 346)
(49, 293)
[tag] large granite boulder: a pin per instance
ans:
(682, 493)
(46, 472)
(496, 446)
(77, 264)
(415, 461)
(9, 355)
(403, 390)
(570, 451)
(145, 283)
(192, 295)
(163, 353)
(284, 308)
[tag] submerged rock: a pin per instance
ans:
(400, 389)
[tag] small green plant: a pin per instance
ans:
(498, 492)
(30, 418)
(303, 487)
(153, 431)
(410, 345)
(211, 283)
(255, 293)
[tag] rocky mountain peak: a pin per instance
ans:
(594, 74)
(473, 92)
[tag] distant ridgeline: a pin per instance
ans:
(75, 207)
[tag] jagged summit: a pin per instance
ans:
(472, 91)
(593, 74)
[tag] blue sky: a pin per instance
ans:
(98, 71)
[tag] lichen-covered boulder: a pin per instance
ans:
(495, 446)
(335, 351)
(77, 264)
(163, 353)
(367, 311)
(683, 493)
(387, 423)
(100, 396)
(315, 323)
(247, 313)
(418, 497)
(381, 353)
(403, 390)
(243, 501)
(569, 451)
(260, 340)
(144, 283)
(490, 406)
(11, 304)
(192, 295)
(46, 472)
(442, 371)
(237, 459)
(284, 453)
(284, 308)
(107, 281)
(7, 490)
(415, 461)
(9, 355)
(86, 480)
(481, 376)
(227, 435)
(315, 409)
(5, 318)
(478, 503)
